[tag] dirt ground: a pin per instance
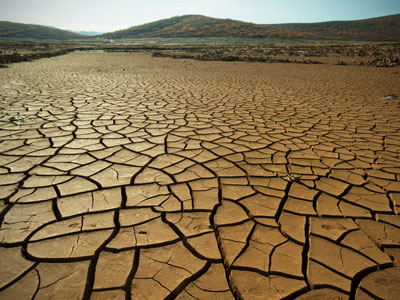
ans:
(128, 176)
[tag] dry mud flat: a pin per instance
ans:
(125, 176)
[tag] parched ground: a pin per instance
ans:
(124, 176)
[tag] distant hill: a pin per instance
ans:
(191, 26)
(88, 33)
(376, 29)
(34, 32)
(201, 26)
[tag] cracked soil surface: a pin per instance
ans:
(124, 176)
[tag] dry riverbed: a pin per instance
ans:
(128, 176)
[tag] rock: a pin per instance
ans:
(390, 96)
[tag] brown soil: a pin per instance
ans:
(125, 176)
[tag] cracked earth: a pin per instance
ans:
(124, 176)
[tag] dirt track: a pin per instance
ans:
(127, 176)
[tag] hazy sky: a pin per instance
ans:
(110, 15)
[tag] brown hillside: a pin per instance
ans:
(201, 26)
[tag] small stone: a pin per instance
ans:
(17, 118)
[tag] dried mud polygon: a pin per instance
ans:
(132, 177)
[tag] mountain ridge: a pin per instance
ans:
(203, 26)
(385, 28)
(13, 30)
(379, 29)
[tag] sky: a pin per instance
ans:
(111, 15)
